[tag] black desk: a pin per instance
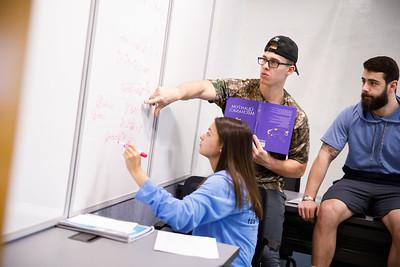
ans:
(52, 247)
(360, 241)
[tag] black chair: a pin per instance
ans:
(188, 186)
(292, 184)
(182, 190)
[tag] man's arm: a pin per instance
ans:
(295, 164)
(185, 91)
(287, 168)
(326, 155)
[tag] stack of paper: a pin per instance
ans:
(106, 227)
(188, 245)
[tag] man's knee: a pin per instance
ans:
(392, 222)
(332, 212)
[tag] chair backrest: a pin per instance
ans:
(189, 185)
(292, 184)
(182, 190)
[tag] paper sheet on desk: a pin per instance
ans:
(188, 245)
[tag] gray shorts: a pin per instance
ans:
(274, 215)
(364, 198)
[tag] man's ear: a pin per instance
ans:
(393, 86)
(291, 69)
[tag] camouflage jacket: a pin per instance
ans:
(300, 142)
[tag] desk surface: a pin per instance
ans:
(52, 247)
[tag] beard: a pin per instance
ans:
(371, 103)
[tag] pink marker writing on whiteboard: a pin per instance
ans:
(141, 153)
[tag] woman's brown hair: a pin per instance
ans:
(237, 159)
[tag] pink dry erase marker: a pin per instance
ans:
(141, 153)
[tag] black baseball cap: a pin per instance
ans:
(285, 47)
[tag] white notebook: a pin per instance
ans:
(106, 227)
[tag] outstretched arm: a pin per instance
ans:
(308, 208)
(211, 202)
(162, 97)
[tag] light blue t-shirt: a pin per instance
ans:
(209, 211)
(374, 142)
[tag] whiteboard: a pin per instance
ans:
(46, 118)
(124, 69)
(185, 60)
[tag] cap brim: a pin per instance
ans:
(296, 69)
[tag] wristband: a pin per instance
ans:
(308, 198)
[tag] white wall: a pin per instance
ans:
(334, 39)
(47, 114)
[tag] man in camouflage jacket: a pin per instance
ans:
(277, 62)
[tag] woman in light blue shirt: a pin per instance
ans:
(227, 205)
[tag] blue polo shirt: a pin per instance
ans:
(374, 142)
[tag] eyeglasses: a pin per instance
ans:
(272, 63)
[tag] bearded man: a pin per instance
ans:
(371, 183)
